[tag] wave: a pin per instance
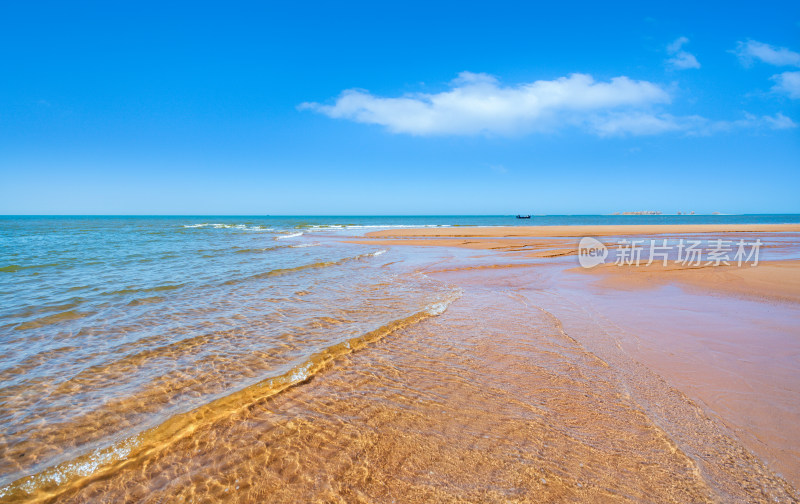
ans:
(146, 300)
(54, 481)
(295, 269)
(13, 268)
(67, 304)
(257, 250)
(281, 271)
(304, 245)
(243, 227)
(52, 319)
(292, 235)
(158, 288)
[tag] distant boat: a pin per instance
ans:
(523, 216)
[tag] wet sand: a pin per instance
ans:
(492, 401)
(774, 280)
(746, 374)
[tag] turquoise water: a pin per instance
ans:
(112, 326)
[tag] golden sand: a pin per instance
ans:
(775, 279)
(778, 280)
(760, 364)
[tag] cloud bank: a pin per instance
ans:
(681, 60)
(477, 103)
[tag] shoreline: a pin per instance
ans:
(774, 279)
(580, 230)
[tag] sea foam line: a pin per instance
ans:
(322, 227)
(242, 227)
(293, 235)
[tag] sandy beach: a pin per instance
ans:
(448, 365)
(777, 279)
(670, 319)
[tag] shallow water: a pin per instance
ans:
(153, 359)
(113, 327)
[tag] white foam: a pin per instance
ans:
(300, 374)
(375, 226)
(441, 306)
(293, 235)
(243, 227)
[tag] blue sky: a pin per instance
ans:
(399, 108)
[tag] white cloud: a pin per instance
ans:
(478, 103)
(787, 83)
(681, 60)
(677, 45)
(652, 124)
(754, 50)
(750, 121)
(684, 60)
(637, 123)
(779, 121)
